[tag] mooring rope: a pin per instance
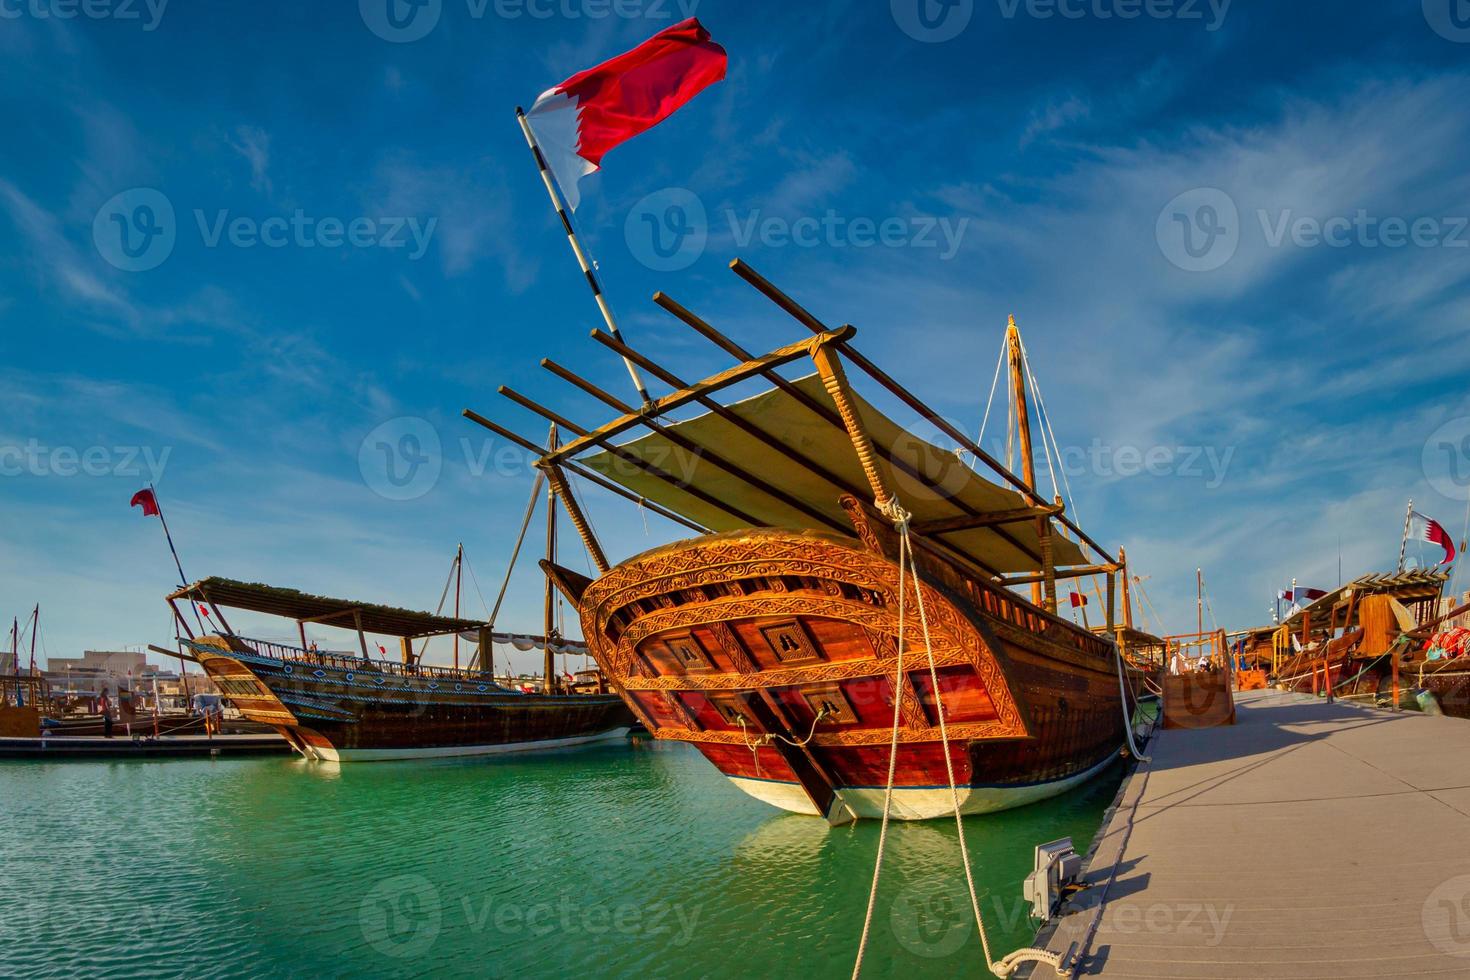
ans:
(1127, 718)
(906, 566)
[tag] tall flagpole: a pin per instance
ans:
(183, 579)
(558, 202)
(1404, 545)
(35, 628)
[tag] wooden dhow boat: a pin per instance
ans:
(1350, 640)
(785, 642)
(338, 707)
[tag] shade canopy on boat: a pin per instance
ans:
(948, 487)
(1415, 585)
(306, 608)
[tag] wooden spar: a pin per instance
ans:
(593, 438)
(835, 381)
(405, 647)
(744, 425)
(1127, 590)
(458, 583)
(221, 616)
(586, 474)
(180, 617)
(552, 441)
(991, 519)
(725, 379)
(588, 268)
(789, 305)
(361, 636)
(1044, 591)
(825, 412)
(486, 653)
(1199, 597)
(1081, 571)
(689, 445)
(563, 491)
(1112, 586)
(301, 628)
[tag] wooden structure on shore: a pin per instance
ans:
(850, 590)
(338, 707)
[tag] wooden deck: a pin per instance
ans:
(120, 746)
(1310, 840)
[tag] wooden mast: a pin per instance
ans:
(552, 443)
(1199, 599)
(458, 582)
(1045, 591)
(1127, 590)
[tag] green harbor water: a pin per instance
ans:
(623, 861)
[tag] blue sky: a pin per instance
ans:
(358, 238)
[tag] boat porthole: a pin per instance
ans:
(351, 677)
(286, 669)
(459, 687)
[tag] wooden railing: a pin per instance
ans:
(346, 661)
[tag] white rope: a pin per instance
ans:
(1127, 718)
(906, 566)
(985, 419)
(895, 513)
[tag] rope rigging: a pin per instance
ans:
(906, 567)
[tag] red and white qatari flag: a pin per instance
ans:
(1422, 528)
(578, 121)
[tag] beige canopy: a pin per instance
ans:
(949, 488)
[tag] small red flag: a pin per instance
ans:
(1078, 599)
(146, 500)
(204, 609)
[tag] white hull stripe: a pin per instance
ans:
(458, 751)
(925, 803)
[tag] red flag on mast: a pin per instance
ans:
(1423, 528)
(578, 121)
(146, 500)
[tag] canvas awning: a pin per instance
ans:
(1415, 585)
(304, 607)
(949, 488)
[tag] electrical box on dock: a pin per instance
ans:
(1057, 864)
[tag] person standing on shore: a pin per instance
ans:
(106, 716)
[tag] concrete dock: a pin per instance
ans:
(1309, 840)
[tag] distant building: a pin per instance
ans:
(97, 672)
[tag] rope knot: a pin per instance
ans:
(893, 511)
